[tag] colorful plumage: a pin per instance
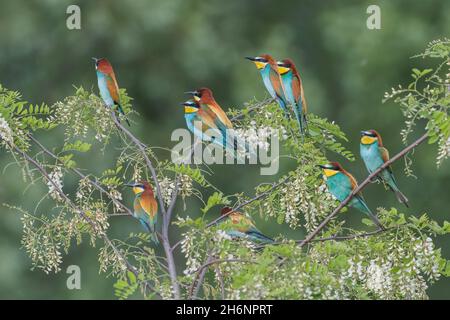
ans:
(268, 69)
(107, 84)
(341, 184)
(374, 155)
(204, 97)
(206, 126)
(240, 226)
(145, 207)
(293, 89)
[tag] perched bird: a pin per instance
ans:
(204, 97)
(206, 126)
(374, 155)
(268, 68)
(294, 92)
(107, 84)
(242, 227)
(341, 184)
(145, 207)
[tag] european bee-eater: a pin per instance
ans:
(243, 227)
(268, 69)
(204, 97)
(374, 155)
(208, 127)
(293, 89)
(107, 84)
(145, 207)
(341, 184)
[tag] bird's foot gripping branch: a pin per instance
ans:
(214, 249)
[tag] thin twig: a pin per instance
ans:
(255, 198)
(207, 264)
(93, 183)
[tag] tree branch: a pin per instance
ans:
(83, 214)
(93, 183)
(359, 188)
(166, 214)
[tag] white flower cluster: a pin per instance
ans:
(84, 191)
(40, 246)
(55, 184)
(5, 132)
(185, 186)
(116, 195)
(167, 187)
(425, 259)
(192, 255)
(259, 137)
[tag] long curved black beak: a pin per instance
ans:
(129, 184)
(322, 166)
(194, 93)
(95, 59)
(364, 133)
(251, 58)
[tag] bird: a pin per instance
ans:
(268, 69)
(341, 184)
(107, 84)
(374, 155)
(293, 89)
(145, 207)
(240, 226)
(206, 126)
(204, 97)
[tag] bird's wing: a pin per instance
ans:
(352, 179)
(113, 87)
(277, 85)
(216, 114)
(299, 95)
(149, 205)
(244, 223)
(208, 124)
(221, 115)
(385, 156)
(296, 88)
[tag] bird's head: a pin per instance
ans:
(202, 93)
(370, 136)
(225, 211)
(140, 186)
(332, 168)
(286, 65)
(102, 65)
(262, 60)
(190, 106)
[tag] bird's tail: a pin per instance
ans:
(361, 205)
(305, 124)
(151, 230)
(261, 237)
(119, 107)
(401, 197)
(154, 237)
(389, 178)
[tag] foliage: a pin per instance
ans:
(340, 263)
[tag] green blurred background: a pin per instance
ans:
(162, 48)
